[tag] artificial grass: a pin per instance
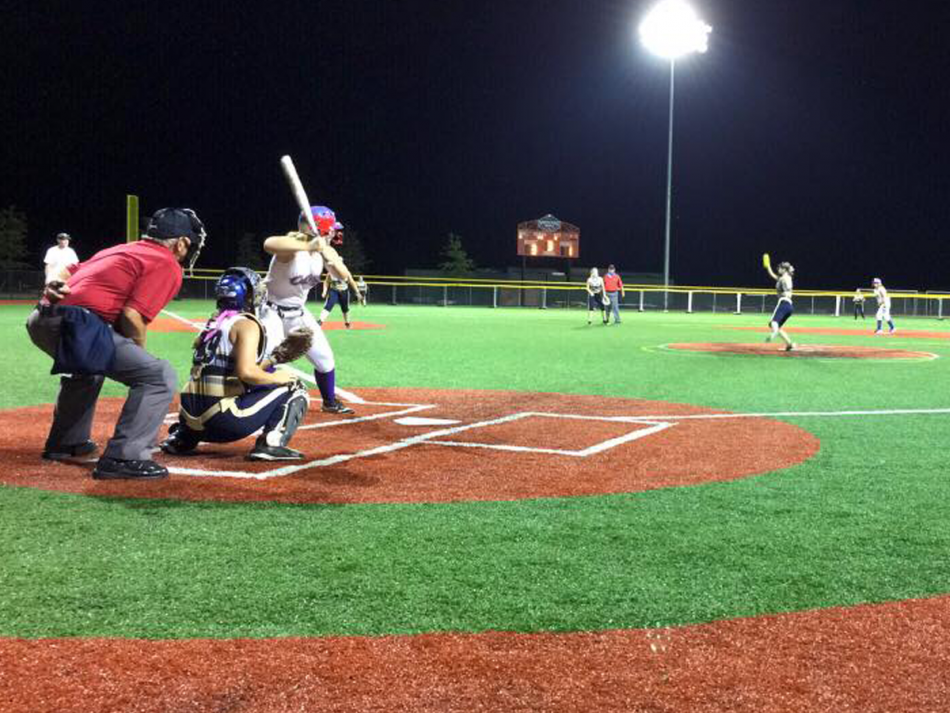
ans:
(862, 521)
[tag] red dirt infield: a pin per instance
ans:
(802, 351)
(902, 333)
(880, 658)
(479, 445)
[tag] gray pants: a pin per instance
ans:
(614, 308)
(152, 385)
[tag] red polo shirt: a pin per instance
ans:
(142, 275)
(612, 283)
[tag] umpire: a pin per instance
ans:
(92, 320)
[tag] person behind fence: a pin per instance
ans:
(596, 298)
(613, 286)
(883, 307)
(858, 300)
(59, 257)
(93, 321)
(336, 285)
(296, 267)
(234, 390)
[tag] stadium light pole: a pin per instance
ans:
(671, 30)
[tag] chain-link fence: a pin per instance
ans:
(445, 292)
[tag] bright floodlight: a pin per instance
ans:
(673, 29)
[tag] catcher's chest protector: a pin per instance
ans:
(213, 354)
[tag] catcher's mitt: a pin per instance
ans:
(295, 345)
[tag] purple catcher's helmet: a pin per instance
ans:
(239, 288)
(322, 216)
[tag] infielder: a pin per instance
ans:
(295, 268)
(596, 298)
(883, 307)
(233, 390)
(336, 289)
(784, 309)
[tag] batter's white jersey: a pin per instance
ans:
(285, 305)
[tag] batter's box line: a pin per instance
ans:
(427, 438)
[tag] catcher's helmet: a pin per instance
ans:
(239, 288)
(322, 216)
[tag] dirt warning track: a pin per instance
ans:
(421, 445)
(870, 659)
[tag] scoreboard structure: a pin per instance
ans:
(549, 237)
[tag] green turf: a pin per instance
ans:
(863, 521)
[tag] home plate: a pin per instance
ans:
(419, 421)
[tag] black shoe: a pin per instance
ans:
(177, 447)
(70, 452)
(262, 451)
(116, 469)
(177, 444)
(336, 407)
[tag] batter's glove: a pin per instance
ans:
(295, 345)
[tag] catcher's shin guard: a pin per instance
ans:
(291, 415)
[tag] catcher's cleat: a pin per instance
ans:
(60, 453)
(116, 469)
(262, 451)
(336, 407)
(178, 443)
(177, 447)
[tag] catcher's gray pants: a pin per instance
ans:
(614, 298)
(152, 385)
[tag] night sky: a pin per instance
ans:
(814, 130)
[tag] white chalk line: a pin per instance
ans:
(656, 424)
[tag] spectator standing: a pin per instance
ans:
(613, 286)
(858, 300)
(92, 320)
(59, 256)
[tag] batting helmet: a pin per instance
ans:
(239, 288)
(322, 216)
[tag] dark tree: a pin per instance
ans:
(456, 262)
(250, 252)
(353, 253)
(13, 238)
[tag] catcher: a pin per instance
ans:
(295, 268)
(234, 390)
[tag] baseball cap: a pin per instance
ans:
(63, 236)
(175, 222)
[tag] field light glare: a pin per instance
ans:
(673, 29)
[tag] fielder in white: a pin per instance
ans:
(295, 268)
(883, 306)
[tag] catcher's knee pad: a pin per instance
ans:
(293, 412)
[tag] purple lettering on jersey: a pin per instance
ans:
(309, 280)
